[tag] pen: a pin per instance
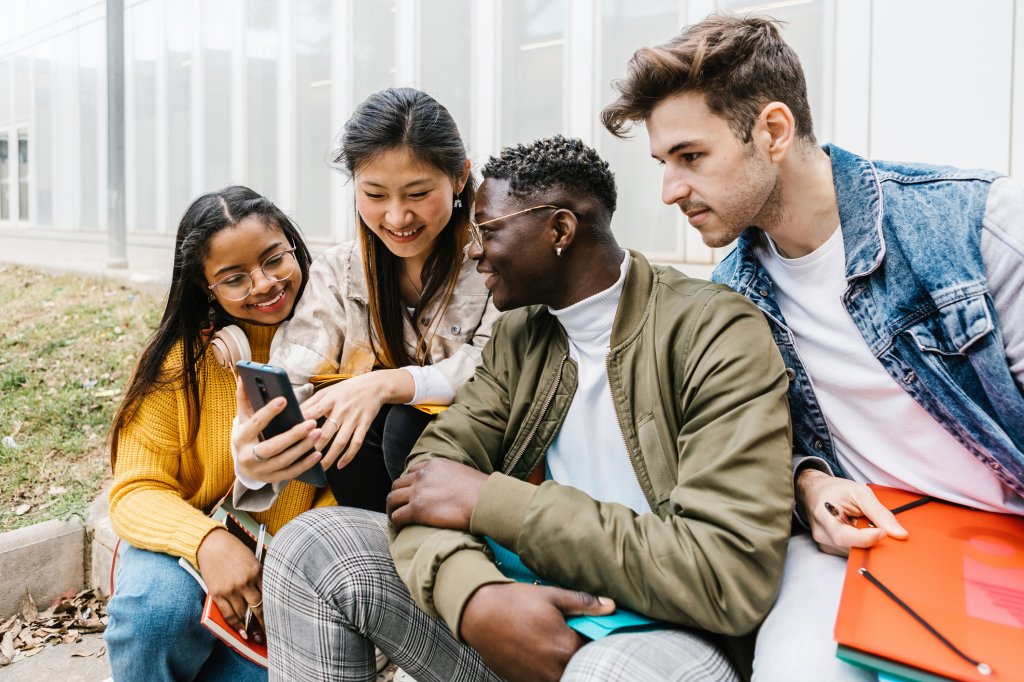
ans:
(259, 556)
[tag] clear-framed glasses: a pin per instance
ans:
(474, 228)
(277, 268)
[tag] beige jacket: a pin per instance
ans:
(329, 332)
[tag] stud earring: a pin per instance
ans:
(558, 251)
(458, 202)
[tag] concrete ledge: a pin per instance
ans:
(45, 560)
(103, 541)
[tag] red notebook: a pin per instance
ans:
(214, 622)
(961, 570)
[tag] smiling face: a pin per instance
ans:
(241, 250)
(404, 202)
(516, 253)
(722, 185)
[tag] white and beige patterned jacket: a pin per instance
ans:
(329, 333)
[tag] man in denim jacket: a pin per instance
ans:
(892, 290)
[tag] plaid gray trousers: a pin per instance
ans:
(330, 593)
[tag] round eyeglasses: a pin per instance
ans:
(238, 285)
(477, 237)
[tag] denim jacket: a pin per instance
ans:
(918, 293)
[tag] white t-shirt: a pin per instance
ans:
(880, 433)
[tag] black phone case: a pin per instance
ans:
(262, 384)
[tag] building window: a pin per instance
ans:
(23, 175)
(533, 50)
(5, 178)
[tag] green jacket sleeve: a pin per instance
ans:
(442, 568)
(712, 557)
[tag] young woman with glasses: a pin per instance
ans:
(238, 261)
(401, 310)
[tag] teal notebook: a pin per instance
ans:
(594, 627)
(888, 671)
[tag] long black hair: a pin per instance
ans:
(405, 118)
(189, 315)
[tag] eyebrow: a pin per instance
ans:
(419, 181)
(263, 254)
(678, 146)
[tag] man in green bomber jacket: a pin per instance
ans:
(651, 409)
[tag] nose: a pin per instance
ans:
(260, 282)
(398, 215)
(674, 187)
(475, 251)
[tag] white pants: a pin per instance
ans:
(796, 643)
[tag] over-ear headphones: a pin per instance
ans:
(230, 346)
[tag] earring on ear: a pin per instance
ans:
(458, 202)
(211, 319)
(558, 251)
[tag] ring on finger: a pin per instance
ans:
(256, 605)
(256, 456)
(337, 426)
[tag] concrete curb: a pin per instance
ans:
(44, 560)
(51, 558)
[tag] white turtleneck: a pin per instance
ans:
(589, 452)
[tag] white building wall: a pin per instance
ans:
(256, 91)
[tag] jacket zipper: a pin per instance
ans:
(622, 433)
(536, 425)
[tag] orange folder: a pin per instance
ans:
(961, 570)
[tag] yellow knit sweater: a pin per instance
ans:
(162, 490)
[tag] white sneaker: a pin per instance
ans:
(402, 676)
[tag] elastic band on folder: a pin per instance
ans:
(982, 668)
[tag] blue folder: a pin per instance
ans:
(594, 627)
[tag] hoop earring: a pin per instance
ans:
(558, 251)
(457, 203)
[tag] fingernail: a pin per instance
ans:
(309, 424)
(278, 402)
(243, 634)
(605, 601)
(316, 434)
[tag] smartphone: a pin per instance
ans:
(262, 384)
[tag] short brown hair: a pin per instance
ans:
(740, 64)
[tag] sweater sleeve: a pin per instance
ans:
(148, 506)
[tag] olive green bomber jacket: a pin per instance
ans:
(700, 392)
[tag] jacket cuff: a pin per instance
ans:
(500, 510)
(461, 575)
(801, 463)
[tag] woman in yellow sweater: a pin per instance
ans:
(238, 260)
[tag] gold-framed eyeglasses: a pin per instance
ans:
(277, 267)
(474, 228)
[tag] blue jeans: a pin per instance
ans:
(154, 631)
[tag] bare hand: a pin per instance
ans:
(836, 535)
(276, 459)
(350, 407)
(438, 493)
(234, 579)
(533, 643)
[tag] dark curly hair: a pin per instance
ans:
(566, 163)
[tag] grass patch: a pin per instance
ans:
(68, 345)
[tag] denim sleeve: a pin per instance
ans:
(1002, 250)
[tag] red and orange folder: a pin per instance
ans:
(961, 570)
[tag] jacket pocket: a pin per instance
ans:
(954, 327)
(660, 470)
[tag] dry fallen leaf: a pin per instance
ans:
(79, 653)
(22, 509)
(28, 608)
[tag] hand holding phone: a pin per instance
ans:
(262, 383)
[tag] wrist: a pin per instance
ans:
(804, 482)
(394, 386)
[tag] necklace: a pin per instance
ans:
(417, 289)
